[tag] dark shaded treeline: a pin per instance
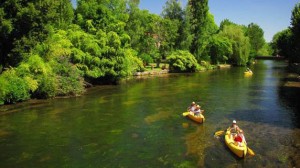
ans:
(48, 48)
(287, 42)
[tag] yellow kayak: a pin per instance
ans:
(198, 119)
(239, 151)
(248, 73)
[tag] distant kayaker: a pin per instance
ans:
(248, 70)
(233, 129)
(192, 107)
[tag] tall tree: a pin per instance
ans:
(108, 15)
(198, 11)
(240, 43)
(173, 12)
(185, 33)
(219, 48)
(295, 28)
(137, 24)
(26, 23)
(211, 26)
(282, 43)
(256, 37)
(224, 23)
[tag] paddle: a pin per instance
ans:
(250, 151)
(221, 132)
(185, 113)
(218, 133)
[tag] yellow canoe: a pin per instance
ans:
(248, 73)
(239, 151)
(198, 119)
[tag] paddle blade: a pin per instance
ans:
(250, 152)
(185, 114)
(218, 133)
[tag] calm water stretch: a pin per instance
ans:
(140, 123)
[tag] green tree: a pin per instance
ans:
(240, 44)
(25, 23)
(108, 15)
(225, 22)
(266, 50)
(282, 43)
(150, 39)
(256, 37)
(211, 26)
(198, 11)
(295, 29)
(173, 12)
(136, 24)
(219, 49)
(186, 36)
(167, 35)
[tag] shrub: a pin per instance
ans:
(132, 63)
(182, 61)
(13, 88)
(47, 86)
(147, 59)
(68, 78)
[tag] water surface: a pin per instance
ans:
(139, 123)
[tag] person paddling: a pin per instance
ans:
(248, 70)
(233, 129)
(192, 107)
(197, 111)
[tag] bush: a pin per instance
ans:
(132, 63)
(47, 87)
(13, 88)
(147, 59)
(182, 61)
(206, 65)
(68, 78)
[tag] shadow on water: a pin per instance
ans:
(290, 97)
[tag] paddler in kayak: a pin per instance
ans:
(248, 70)
(233, 129)
(192, 107)
(197, 111)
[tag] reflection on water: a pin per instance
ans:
(140, 122)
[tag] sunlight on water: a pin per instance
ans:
(161, 115)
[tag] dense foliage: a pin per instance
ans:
(182, 61)
(287, 42)
(48, 48)
(198, 12)
(256, 39)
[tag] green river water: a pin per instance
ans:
(139, 123)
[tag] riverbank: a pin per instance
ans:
(163, 69)
(292, 78)
(151, 71)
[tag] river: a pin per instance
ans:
(140, 123)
